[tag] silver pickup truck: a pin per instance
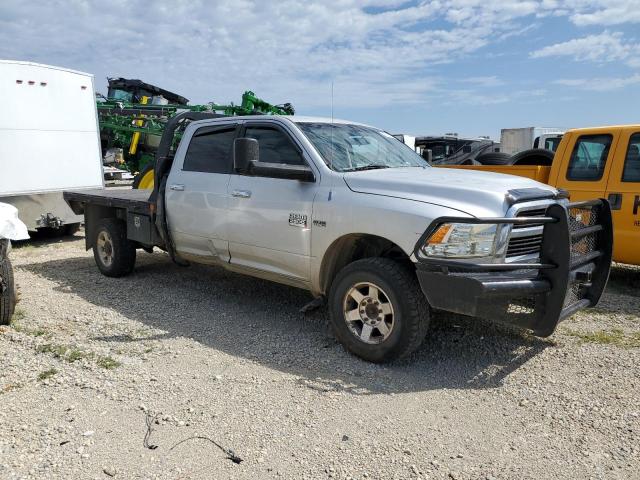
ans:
(351, 214)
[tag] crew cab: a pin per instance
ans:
(600, 162)
(351, 214)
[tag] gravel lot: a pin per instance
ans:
(214, 354)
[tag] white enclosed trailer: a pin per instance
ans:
(49, 141)
(514, 140)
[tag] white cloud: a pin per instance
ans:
(604, 47)
(604, 12)
(600, 84)
(471, 97)
(487, 81)
(377, 52)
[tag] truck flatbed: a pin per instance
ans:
(133, 200)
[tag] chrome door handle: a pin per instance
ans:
(241, 193)
(179, 188)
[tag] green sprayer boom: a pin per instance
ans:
(134, 115)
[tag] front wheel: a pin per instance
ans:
(377, 310)
(7, 292)
(113, 252)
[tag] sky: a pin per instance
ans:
(414, 67)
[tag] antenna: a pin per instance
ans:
(331, 156)
(332, 103)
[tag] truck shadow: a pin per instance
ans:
(260, 321)
(624, 280)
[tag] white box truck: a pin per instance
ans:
(49, 141)
(514, 140)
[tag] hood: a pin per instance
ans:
(481, 194)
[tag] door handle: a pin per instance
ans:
(241, 193)
(177, 187)
(615, 200)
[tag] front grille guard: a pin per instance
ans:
(571, 274)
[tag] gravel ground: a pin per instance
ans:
(213, 354)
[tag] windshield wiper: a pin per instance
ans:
(367, 167)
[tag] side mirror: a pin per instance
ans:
(282, 170)
(428, 155)
(245, 151)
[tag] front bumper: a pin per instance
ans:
(571, 274)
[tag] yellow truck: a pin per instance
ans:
(600, 162)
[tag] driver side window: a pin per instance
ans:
(275, 146)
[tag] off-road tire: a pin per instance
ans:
(411, 310)
(122, 250)
(8, 297)
(494, 158)
(533, 156)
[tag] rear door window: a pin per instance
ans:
(631, 172)
(589, 158)
(210, 150)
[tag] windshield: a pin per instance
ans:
(347, 148)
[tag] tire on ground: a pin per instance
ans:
(114, 254)
(410, 309)
(533, 156)
(494, 158)
(8, 296)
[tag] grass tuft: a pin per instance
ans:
(47, 374)
(615, 337)
(108, 363)
(18, 314)
(73, 354)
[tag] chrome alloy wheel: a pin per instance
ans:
(104, 244)
(368, 313)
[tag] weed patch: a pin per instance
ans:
(107, 362)
(73, 354)
(615, 337)
(47, 374)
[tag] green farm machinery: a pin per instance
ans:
(134, 114)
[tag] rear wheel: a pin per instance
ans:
(144, 180)
(377, 310)
(7, 292)
(114, 254)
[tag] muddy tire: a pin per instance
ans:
(377, 310)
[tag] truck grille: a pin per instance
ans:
(528, 245)
(526, 239)
(581, 246)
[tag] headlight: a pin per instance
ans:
(464, 240)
